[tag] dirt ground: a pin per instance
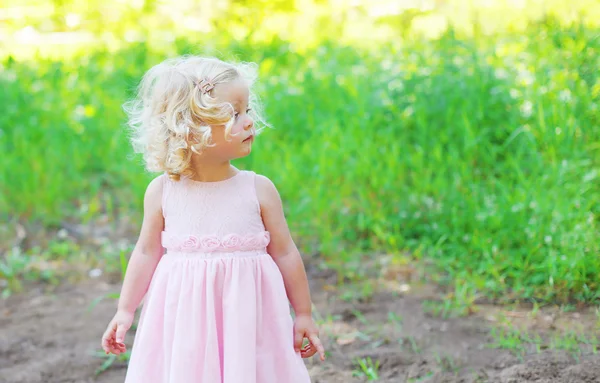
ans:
(50, 337)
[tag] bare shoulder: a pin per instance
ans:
(153, 222)
(264, 183)
(154, 191)
(266, 191)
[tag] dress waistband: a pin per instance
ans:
(213, 243)
(174, 256)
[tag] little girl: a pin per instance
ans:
(215, 307)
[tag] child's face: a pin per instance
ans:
(242, 131)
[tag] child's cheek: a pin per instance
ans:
(237, 128)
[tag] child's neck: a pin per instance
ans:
(208, 171)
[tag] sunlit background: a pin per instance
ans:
(419, 145)
(459, 135)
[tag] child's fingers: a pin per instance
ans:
(108, 345)
(111, 343)
(305, 348)
(117, 348)
(308, 351)
(107, 337)
(316, 342)
(112, 346)
(118, 345)
(298, 337)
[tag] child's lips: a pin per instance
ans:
(249, 138)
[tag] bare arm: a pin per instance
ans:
(282, 248)
(147, 252)
(284, 252)
(142, 263)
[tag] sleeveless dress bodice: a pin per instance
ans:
(206, 217)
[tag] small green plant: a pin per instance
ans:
(436, 308)
(446, 362)
(395, 320)
(46, 265)
(361, 290)
(361, 317)
(365, 368)
(573, 343)
(421, 379)
(567, 308)
(514, 340)
(460, 302)
(12, 269)
(110, 360)
(479, 377)
(510, 339)
(592, 342)
(445, 309)
(410, 342)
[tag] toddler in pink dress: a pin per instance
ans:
(216, 304)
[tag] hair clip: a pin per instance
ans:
(205, 85)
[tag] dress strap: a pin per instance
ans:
(166, 185)
(251, 186)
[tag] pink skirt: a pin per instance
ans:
(216, 318)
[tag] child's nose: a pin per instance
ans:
(249, 124)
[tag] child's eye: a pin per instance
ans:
(236, 115)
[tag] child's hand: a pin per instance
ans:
(112, 340)
(305, 327)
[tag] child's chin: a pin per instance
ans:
(244, 152)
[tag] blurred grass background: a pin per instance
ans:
(461, 134)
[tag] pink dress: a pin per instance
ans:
(216, 310)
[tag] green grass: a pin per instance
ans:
(515, 340)
(521, 342)
(423, 378)
(447, 363)
(366, 368)
(49, 265)
(479, 153)
(575, 343)
(410, 343)
(460, 302)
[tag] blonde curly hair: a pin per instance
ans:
(170, 116)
